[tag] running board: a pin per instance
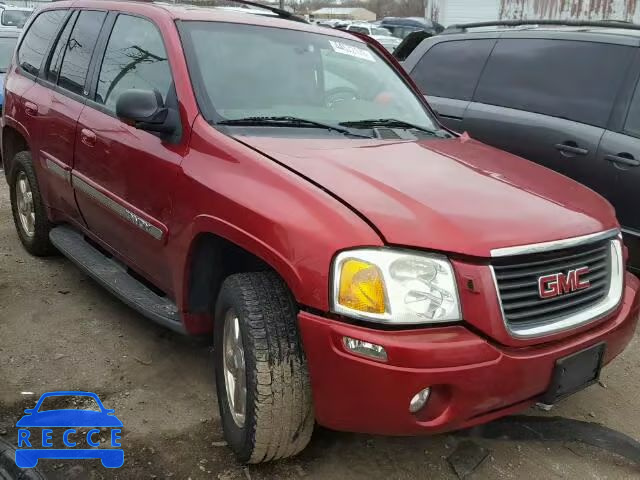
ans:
(114, 277)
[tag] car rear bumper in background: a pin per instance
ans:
(472, 379)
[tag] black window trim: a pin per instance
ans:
(53, 41)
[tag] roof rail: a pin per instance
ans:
(462, 28)
(212, 3)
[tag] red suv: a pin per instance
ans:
(285, 187)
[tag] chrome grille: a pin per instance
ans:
(517, 283)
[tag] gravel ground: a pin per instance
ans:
(60, 331)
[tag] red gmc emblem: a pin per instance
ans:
(558, 283)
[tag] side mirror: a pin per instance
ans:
(145, 110)
(29, 411)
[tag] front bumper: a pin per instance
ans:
(473, 380)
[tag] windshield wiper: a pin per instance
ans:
(288, 121)
(392, 123)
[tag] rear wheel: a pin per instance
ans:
(262, 380)
(29, 214)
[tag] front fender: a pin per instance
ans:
(251, 243)
(238, 194)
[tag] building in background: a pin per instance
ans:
(344, 13)
(448, 12)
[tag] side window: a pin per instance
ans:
(554, 77)
(56, 57)
(79, 50)
(632, 125)
(451, 69)
(135, 57)
(37, 39)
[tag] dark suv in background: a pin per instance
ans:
(561, 94)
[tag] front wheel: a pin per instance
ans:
(261, 373)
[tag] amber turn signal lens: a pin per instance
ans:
(361, 287)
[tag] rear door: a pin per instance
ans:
(549, 100)
(447, 74)
(28, 104)
(64, 79)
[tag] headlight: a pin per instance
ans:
(395, 287)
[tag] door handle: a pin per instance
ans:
(31, 109)
(88, 137)
(570, 149)
(623, 159)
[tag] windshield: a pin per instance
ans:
(7, 45)
(242, 71)
(14, 18)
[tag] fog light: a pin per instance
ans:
(367, 349)
(419, 400)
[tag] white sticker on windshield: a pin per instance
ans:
(352, 51)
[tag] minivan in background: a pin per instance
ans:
(562, 94)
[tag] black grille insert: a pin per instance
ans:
(517, 282)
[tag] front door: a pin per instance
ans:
(124, 176)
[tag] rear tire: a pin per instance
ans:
(29, 213)
(277, 421)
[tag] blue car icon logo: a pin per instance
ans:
(32, 447)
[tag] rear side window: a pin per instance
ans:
(37, 39)
(135, 57)
(567, 79)
(79, 50)
(451, 69)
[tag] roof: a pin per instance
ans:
(593, 34)
(199, 13)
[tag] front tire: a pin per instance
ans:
(262, 381)
(29, 213)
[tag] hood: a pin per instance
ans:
(453, 195)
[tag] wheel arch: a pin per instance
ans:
(217, 250)
(14, 139)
